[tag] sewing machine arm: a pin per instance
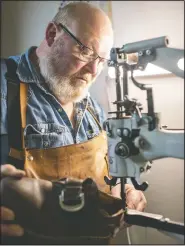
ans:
(156, 221)
(135, 139)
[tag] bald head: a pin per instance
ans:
(81, 11)
(73, 52)
(85, 18)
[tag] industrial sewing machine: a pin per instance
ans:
(135, 139)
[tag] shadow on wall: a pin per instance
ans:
(9, 28)
(165, 196)
(24, 23)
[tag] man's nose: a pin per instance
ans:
(93, 67)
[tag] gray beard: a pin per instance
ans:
(64, 92)
(60, 86)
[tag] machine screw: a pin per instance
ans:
(142, 169)
(122, 132)
(148, 52)
(140, 53)
(141, 143)
(119, 132)
(125, 132)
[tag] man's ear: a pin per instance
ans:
(51, 32)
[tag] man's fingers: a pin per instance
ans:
(131, 205)
(8, 170)
(136, 200)
(11, 230)
(17, 174)
(7, 214)
(141, 205)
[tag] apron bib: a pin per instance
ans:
(83, 160)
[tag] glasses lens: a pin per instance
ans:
(87, 54)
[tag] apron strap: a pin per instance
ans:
(13, 116)
(19, 153)
(91, 111)
(23, 105)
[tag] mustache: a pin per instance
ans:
(83, 78)
(87, 78)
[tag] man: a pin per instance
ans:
(58, 116)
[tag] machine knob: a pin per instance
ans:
(139, 142)
(122, 150)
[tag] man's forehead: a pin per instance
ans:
(102, 44)
(99, 38)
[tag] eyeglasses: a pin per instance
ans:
(85, 54)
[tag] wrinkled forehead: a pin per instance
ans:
(97, 37)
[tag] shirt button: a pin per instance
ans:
(30, 158)
(59, 110)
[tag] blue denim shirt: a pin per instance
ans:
(47, 124)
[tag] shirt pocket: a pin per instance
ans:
(47, 135)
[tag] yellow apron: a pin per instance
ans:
(87, 159)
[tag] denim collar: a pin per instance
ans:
(26, 70)
(28, 74)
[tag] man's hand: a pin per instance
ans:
(135, 199)
(8, 229)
